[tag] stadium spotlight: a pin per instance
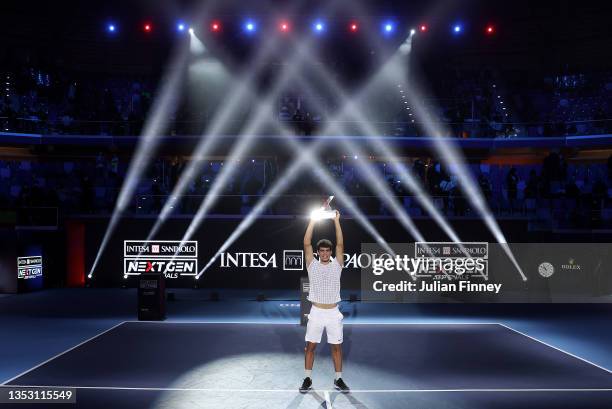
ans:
(388, 28)
(412, 31)
(180, 27)
(318, 26)
(457, 29)
(284, 26)
(249, 26)
(190, 30)
(111, 28)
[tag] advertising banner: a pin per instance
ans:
(270, 256)
(486, 272)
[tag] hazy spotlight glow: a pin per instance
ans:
(180, 27)
(195, 45)
(322, 174)
(240, 91)
(157, 120)
(304, 156)
(279, 186)
(319, 26)
(258, 118)
(111, 28)
(406, 47)
(351, 109)
(457, 28)
(371, 178)
(384, 193)
(454, 159)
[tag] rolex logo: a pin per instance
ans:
(571, 265)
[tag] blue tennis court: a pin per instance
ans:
(246, 365)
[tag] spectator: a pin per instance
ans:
(485, 186)
(297, 120)
(114, 166)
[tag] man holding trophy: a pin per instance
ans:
(324, 277)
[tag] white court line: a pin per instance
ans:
(61, 353)
(384, 323)
(328, 404)
(291, 390)
(223, 322)
(297, 323)
(558, 349)
(325, 391)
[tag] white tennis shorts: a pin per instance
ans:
(321, 319)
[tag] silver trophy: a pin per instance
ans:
(324, 212)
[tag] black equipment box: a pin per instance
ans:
(151, 297)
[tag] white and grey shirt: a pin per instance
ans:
(324, 281)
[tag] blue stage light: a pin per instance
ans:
(457, 28)
(111, 28)
(388, 27)
(318, 26)
(249, 26)
(180, 27)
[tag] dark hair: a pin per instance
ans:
(324, 243)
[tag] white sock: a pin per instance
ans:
(338, 375)
(307, 372)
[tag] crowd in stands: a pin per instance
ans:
(469, 103)
(87, 185)
(483, 103)
(58, 102)
(566, 192)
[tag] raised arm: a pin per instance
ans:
(308, 254)
(339, 240)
